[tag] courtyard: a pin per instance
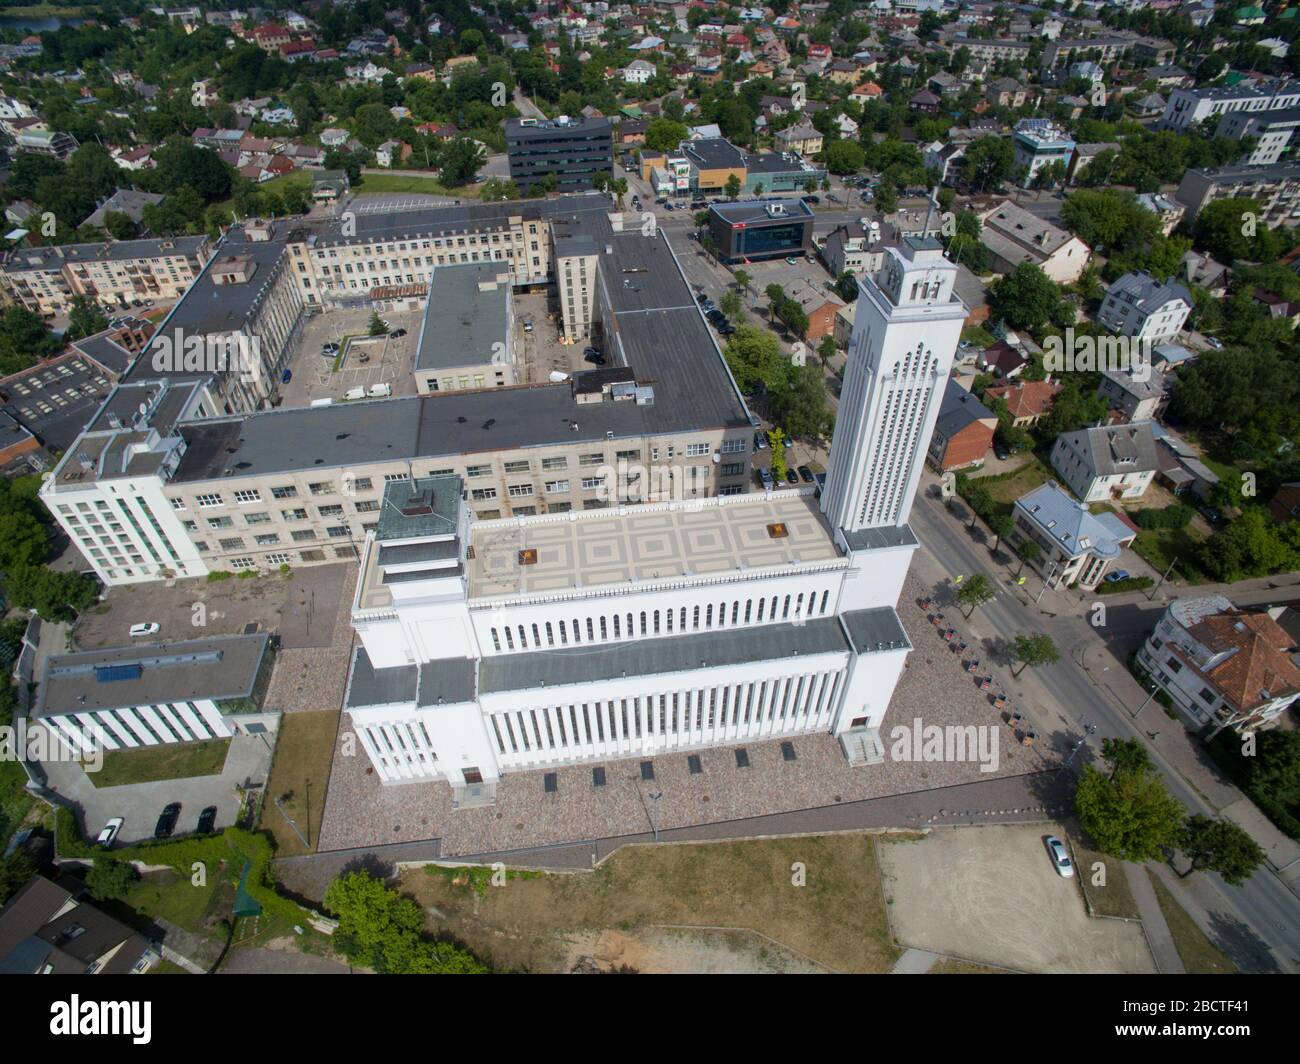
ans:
(363, 361)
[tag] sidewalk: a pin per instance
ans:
(1153, 920)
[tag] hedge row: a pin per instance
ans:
(1133, 583)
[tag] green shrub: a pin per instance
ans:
(218, 575)
(1178, 515)
(247, 574)
(1133, 583)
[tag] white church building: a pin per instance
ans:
(494, 646)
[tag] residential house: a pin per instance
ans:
(1014, 235)
(1075, 546)
(1221, 666)
(1136, 395)
(963, 431)
(1027, 401)
(1107, 461)
(1140, 307)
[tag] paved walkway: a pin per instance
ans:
(915, 962)
(1153, 920)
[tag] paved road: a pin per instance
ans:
(1265, 914)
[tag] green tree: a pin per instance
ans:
(732, 187)
(1028, 552)
(844, 157)
(1026, 298)
(496, 189)
(754, 356)
(109, 879)
(24, 339)
(664, 134)
(1219, 846)
(84, 319)
(377, 326)
(1000, 525)
(1125, 755)
(57, 595)
(461, 160)
(24, 540)
(987, 163)
(1131, 817)
(380, 929)
(1034, 650)
(730, 303)
(975, 592)
(776, 441)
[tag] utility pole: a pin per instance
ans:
(1051, 569)
(1162, 579)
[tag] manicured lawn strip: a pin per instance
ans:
(167, 761)
(304, 750)
(1115, 898)
(1200, 956)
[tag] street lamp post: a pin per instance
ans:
(1088, 730)
(1151, 693)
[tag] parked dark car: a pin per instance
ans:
(397, 334)
(702, 298)
(726, 328)
(806, 474)
(791, 477)
(167, 821)
(286, 376)
(716, 316)
(594, 357)
(207, 820)
(812, 199)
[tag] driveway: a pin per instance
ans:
(990, 894)
(139, 804)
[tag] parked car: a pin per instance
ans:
(812, 199)
(668, 206)
(726, 328)
(760, 442)
(791, 477)
(1060, 856)
(1001, 451)
(806, 473)
(764, 477)
(1210, 341)
(207, 820)
(397, 334)
(1210, 514)
(109, 833)
(594, 357)
(702, 298)
(353, 394)
(167, 821)
(286, 376)
(792, 260)
(379, 391)
(528, 325)
(138, 631)
(1117, 576)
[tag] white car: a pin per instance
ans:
(1060, 856)
(109, 833)
(148, 628)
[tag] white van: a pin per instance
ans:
(355, 393)
(380, 391)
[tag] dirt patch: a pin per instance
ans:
(682, 951)
(815, 897)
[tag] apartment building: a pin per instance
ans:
(1273, 131)
(47, 279)
(1275, 189)
(1188, 107)
(1038, 142)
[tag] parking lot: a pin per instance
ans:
(538, 350)
(991, 894)
(366, 362)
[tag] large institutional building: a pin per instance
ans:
(548, 572)
(489, 646)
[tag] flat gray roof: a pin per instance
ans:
(150, 673)
(466, 320)
(875, 630)
(368, 686)
(665, 654)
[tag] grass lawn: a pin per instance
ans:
(176, 899)
(1115, 898)
(168, 761)
(1160, 546)
(1006, 488)
(304, 748)
(167, 968)
(1200, 956)
(837, 918)
(400, 183)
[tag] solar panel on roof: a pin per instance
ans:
(110, 673)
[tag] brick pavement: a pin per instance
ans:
(361, 812)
